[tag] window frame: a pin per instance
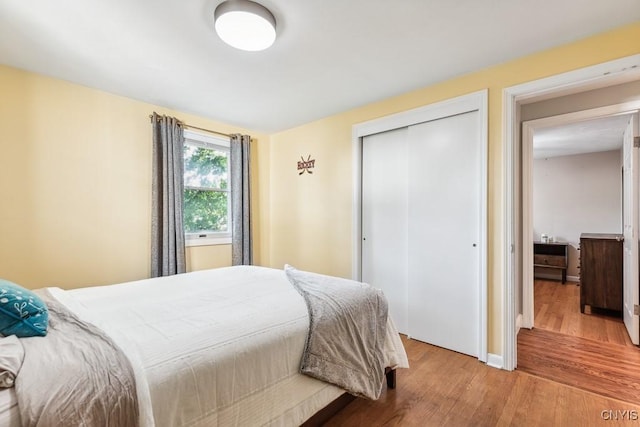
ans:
(219, 143)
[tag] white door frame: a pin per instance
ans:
(528, 130)
(601, 75)
(476, 101)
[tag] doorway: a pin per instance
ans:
(560, 349)
(588, 192)
(577, 197)
(576, 194)
(589, 78)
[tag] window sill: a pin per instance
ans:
(208, 241)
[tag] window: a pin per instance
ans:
(207, 204)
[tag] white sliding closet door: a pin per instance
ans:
(420, 219)
(384, 219)
(443, 242)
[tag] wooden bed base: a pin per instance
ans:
(324, 414)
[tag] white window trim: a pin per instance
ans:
(208, 239)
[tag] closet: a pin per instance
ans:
(422, 231)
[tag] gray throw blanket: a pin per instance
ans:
(74, 376)
(347, 328)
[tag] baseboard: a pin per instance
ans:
(573, 279)
(495, 361)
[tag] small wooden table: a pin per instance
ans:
(552, 255)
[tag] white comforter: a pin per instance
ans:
(216, 347)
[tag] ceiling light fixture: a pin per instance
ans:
(245, 25)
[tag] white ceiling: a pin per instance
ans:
(330, 56)
(591, 136)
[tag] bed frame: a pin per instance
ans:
(325, 414)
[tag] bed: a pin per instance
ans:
(215, 347)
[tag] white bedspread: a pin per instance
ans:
(215, 347)
(9, 413)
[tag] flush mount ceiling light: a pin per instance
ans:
(245, 25)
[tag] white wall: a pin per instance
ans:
(577, 194)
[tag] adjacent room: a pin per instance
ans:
(578, 255)
(239, 213)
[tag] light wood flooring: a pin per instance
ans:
(557, 309)
(589, 351)
(444, 388)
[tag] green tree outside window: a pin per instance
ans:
(206, 195)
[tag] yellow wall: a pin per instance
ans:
(75, 166)
(311, 215)
(75, 184)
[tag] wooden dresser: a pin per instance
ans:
(601, 271)
(551, 255)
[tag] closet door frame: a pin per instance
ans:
(476, 101)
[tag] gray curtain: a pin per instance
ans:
(241, 244)
(167, 231)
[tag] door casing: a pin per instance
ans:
(602, 75)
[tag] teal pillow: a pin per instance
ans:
(22, 313)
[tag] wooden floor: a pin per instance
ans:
(609, 369)
(557, 309)
(589, 351)
(444, 388)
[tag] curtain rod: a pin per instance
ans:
(196, 127)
